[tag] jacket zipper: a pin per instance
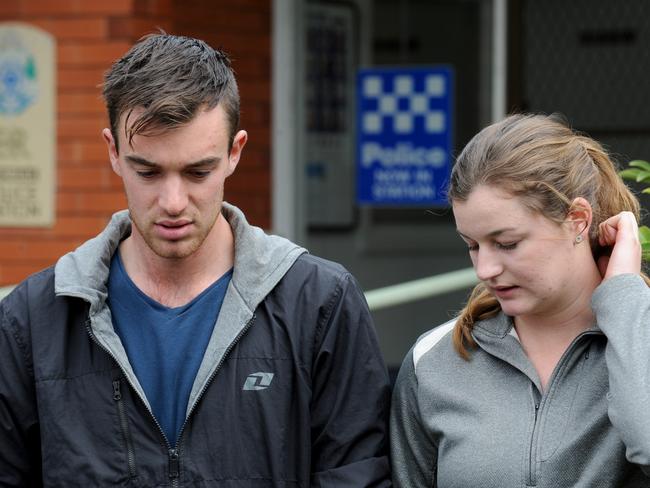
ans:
(124, 425)
(532, 478)
(532, 472)
(175, 453)
(165, 445)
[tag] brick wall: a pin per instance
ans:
(90, 35)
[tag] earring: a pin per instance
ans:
(579, 239)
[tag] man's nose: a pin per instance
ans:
(173, 196)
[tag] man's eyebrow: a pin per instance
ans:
(133, 159)
(209, 161)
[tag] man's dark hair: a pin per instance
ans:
(171, 78)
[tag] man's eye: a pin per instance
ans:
(200, 174)
(146, 174)
(472, 247)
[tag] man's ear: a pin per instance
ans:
(238, 143)
(112, 150)
(579, 217)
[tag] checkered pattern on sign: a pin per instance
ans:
(401, 106)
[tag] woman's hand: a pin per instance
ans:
(621, 233)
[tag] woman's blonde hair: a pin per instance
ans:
(540, 159)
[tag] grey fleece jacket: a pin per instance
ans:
(486, 423)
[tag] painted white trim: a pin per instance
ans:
(426, 343)
(286, 193)
(499, 59)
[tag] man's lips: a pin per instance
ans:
(174, 223)
(173, 229)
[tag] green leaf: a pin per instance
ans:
(644, 235)
(629, 174)
(638, 163)
(643, 176)
(645, 251)
(646, 190)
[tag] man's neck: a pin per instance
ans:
(175, 282)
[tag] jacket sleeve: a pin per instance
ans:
(350, 396)
(19, 434)
(622, 308)
(413, 454)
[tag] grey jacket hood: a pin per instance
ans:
(261, 261)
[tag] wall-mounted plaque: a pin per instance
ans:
(27, 126)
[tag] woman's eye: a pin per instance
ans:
(508, 246)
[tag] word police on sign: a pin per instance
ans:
(404, 135)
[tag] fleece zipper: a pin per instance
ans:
(531, 475)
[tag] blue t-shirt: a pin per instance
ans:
(165, 345)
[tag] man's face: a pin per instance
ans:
(174, 181)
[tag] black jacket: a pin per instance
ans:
(292, 391)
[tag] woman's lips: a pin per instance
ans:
(504, 292)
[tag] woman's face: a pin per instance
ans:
(528, 262)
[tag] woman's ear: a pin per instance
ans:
(579, 218)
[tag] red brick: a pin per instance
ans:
(254, 160)
(252, 67)
(22, 250)
(90, 204)
(13, 273)
(255, 114)
(87, 178)
(134, 28)
(80, 103)
(78, 227)
(9, 10)
(154, 7)
(243, 181)
(66, 7)
(73, 79)
(218, 16)
(86, 126)
(79, 151)
(90, 54)
(255, 90)
(87, 28)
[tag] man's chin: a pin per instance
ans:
(173, 250)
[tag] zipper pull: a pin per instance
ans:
(173, 463)
(117, 394)
(536, 410)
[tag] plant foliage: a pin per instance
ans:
(639, 171)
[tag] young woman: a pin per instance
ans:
(543, 380)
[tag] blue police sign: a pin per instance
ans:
(404, 135)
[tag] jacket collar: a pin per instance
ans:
(260, 260)
(497, 337)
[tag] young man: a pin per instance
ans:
(182, 346)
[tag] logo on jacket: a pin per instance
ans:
(258, 381)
